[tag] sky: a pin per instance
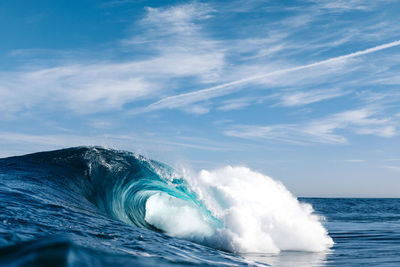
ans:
(307, 92)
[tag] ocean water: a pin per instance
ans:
(91, 206)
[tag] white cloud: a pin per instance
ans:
(379, 96)
(360, 121)
(386, 131)
(285, 133)
(308, 97)
(85, 89)
(180, 54)
(177, 19)
(325, 130)
(347, 5)
(235, 104)
(242, 102)
(355, 160)
(180, 50)
(197, 109)
(180, 100)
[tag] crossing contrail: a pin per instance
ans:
(226, 88)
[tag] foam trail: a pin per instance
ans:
(226, 88)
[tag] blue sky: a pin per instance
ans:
(307, 92)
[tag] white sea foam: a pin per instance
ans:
(258, 214)
(177, 217)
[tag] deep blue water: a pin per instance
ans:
(86, 207)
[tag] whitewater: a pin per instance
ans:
(93, 206)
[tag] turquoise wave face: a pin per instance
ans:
(121, 184)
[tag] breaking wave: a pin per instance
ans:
(233, 208)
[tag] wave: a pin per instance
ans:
(233, 208)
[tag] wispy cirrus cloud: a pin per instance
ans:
(178, 50)
(325, 130)
(291, 99)
(240, 103)
(179, 53)
(184, 99)
(355, 160)
(286, 98)
(343, 5)
(81, 88)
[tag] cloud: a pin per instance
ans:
(285, 133)
(236, 104)
(361, 121)
(84, 89)
(184, 99)
(197, 109)
(379, 96)
(173, 50)
(291, 99)
(287, 98)
(325, 130)
(178, 19)
(179, 50)
(346, 5)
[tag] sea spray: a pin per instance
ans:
(258, 213)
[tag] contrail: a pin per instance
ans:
(225, 88)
